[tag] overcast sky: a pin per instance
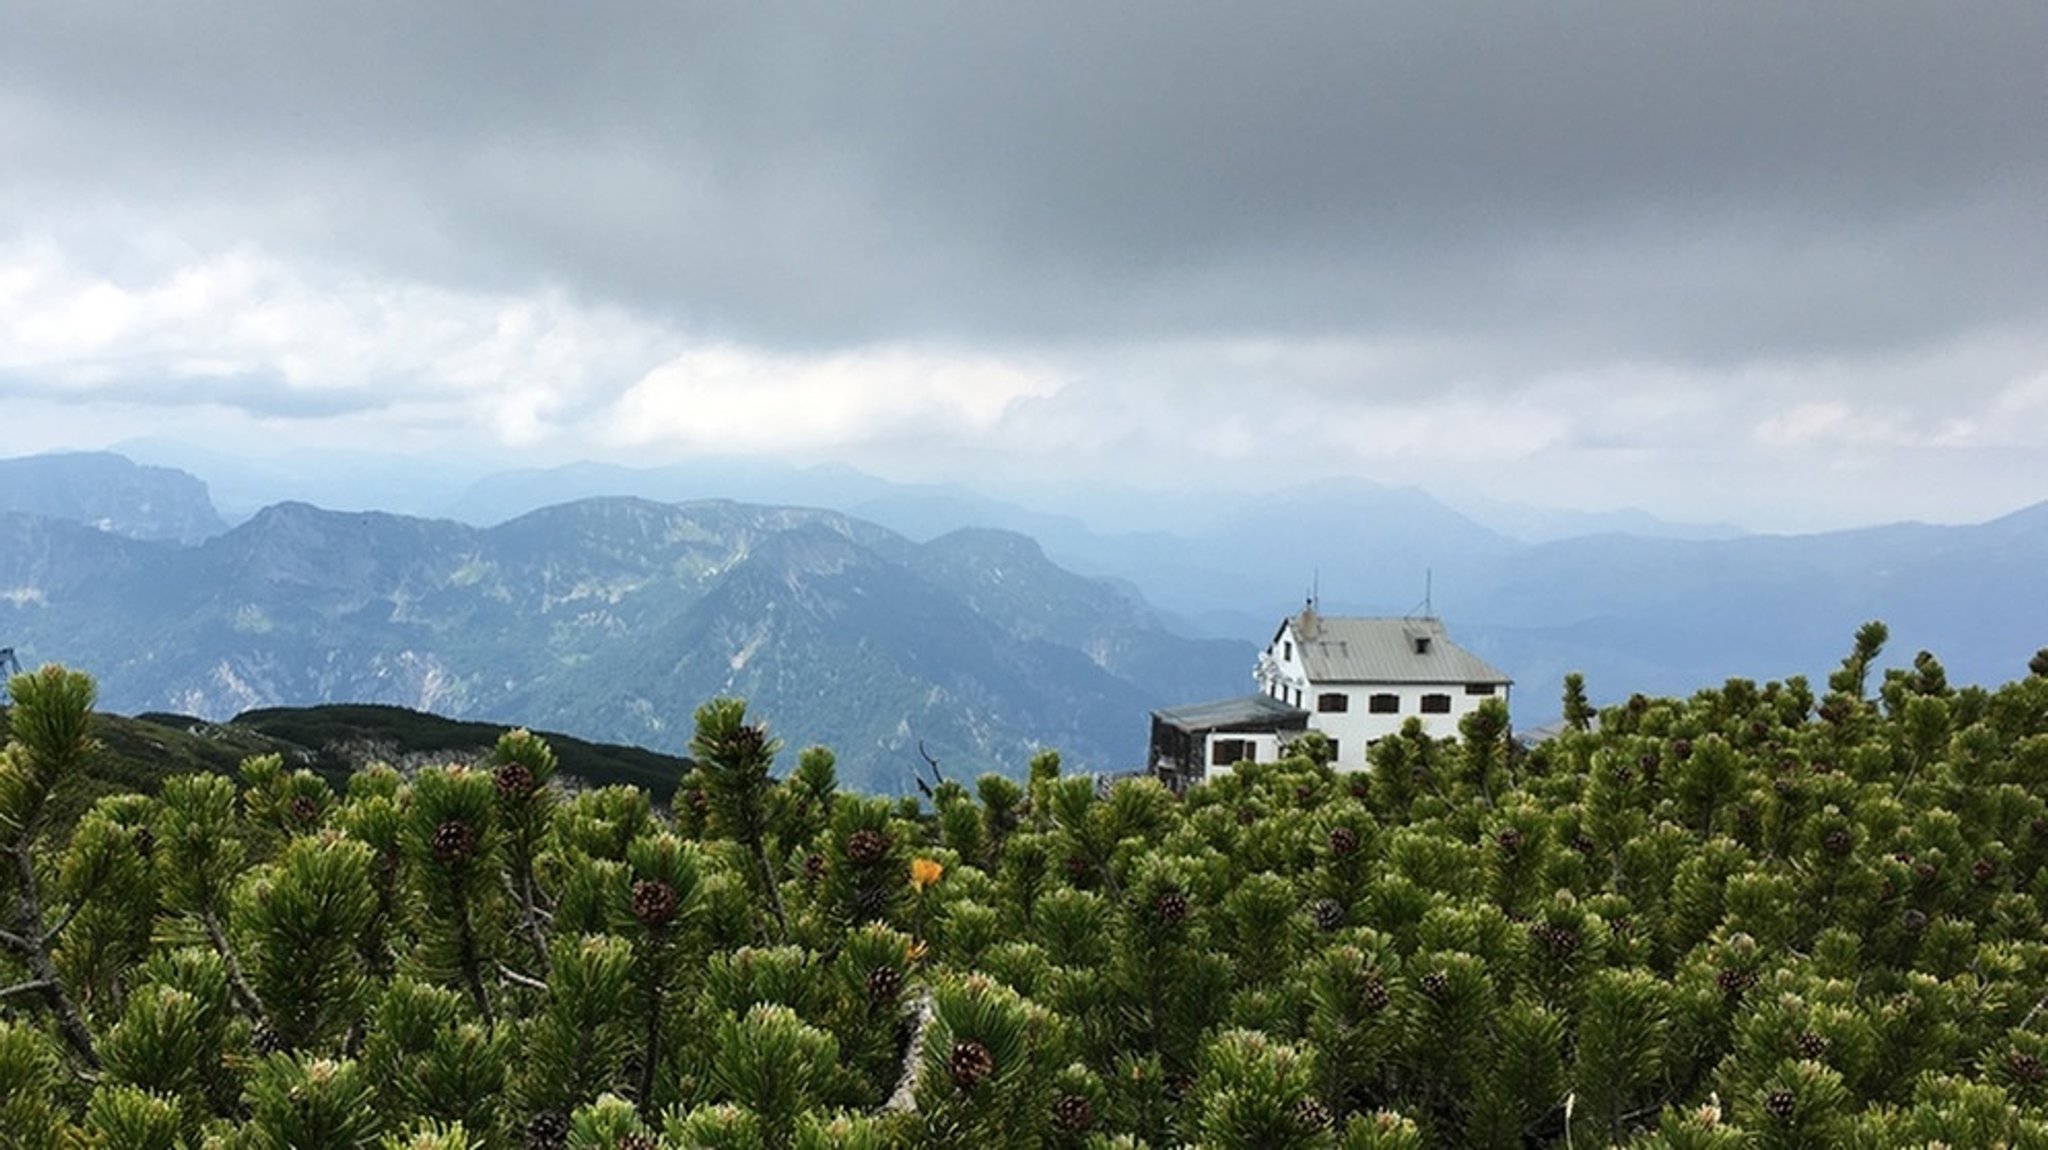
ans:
(1780, 264)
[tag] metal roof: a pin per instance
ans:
(1262, 711)
(1351, 650)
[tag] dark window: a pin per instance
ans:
(1384, 704)
(1335, 702)
(1422, 644)
(1287, 650)
(1336, 752)
(1436, 704)
(1224, 752)
(1479, 688)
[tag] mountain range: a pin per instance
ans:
(928, 617)
(614, 618)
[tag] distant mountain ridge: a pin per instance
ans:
(613, 619)
(112, 493)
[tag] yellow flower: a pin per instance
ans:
(924, 872)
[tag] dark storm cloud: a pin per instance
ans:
(1707, 182)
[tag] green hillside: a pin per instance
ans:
(1763, 915)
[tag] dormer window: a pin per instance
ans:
(1422, 644)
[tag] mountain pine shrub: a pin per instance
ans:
(1745, 918)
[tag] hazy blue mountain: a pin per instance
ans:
(1528, 523)
(614, 619)
(1666, 615)
(111, 493)
(249, 478)
(508, 494)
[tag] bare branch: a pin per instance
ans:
(923, 1011)
(50, 935)
(30, 987)
(518, 979)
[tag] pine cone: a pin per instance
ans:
(884, 984)
(1247, 815)
(654, 902)
(1780, 1104)
(1811, 1045)
(1073, 1114)
(1311, 1114)
(1078, 868)
(1359, 787)
(305, 810)
(1375, 992)
(867, 847)
(1509, 841)
(513, 780)
(700, 803)
(1682, 749)
(265, 1040)
(1561, 940)
(641, 1141)
(454, 842)
(748, 739)
(1436, 984)
(1983, 871)
(1734, 982)
(1304, 795)
(1328, 914)
(1837, 842)
(1583, 844)
(1343, 841)
(814, 867)
(2025, 1067)
(145, 841)
(1914, 921)
(1171, 907)
(970, 1063)
(547, 1130)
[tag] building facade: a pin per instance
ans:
(1355, 680)
(1360, 679)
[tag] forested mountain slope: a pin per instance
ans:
(612, 619)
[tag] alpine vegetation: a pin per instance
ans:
(1762, 916)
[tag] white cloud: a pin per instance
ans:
(733, 399)
(240, 329)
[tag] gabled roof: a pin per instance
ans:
(1416, 650)
(1246, 712)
